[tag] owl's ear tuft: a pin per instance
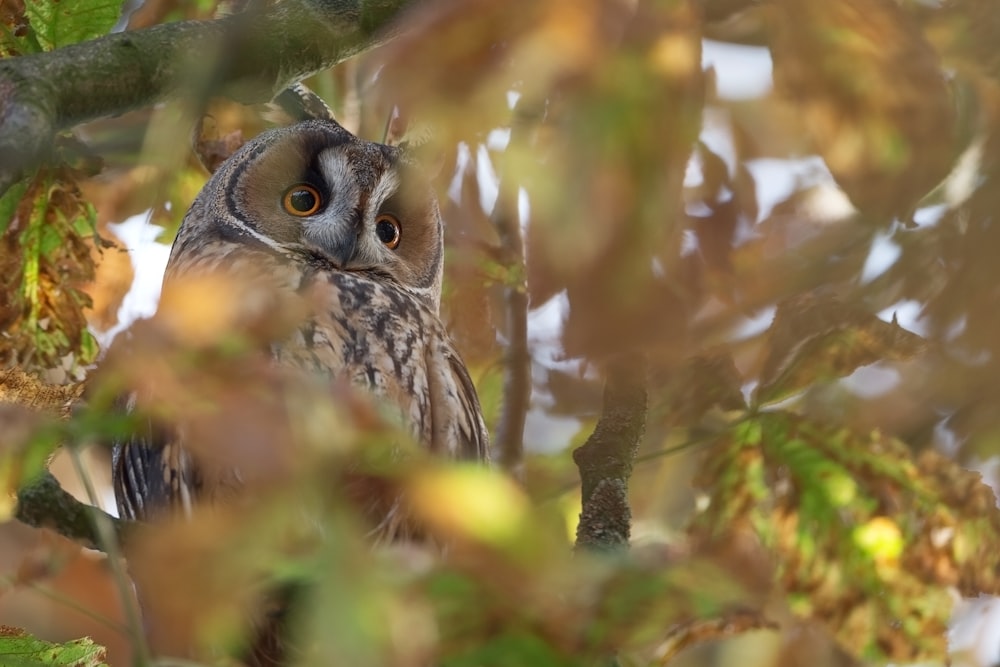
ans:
(299, 103)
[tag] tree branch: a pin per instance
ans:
(517, 360)
(251, 57)
(43, 503)
(605, 460)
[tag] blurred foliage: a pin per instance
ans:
(833, 499)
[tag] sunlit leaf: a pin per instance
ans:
(471, 502)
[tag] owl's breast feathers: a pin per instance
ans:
(373, 333)
(361, 326)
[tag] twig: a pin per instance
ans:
(109, 540)
(729, 624)
(605, 460)
(264, 51)
(517, 360)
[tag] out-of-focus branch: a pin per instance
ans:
(43, 503)
(249, 57)
(517, 360)
(699, 631)
(719, 10)
(605, 460)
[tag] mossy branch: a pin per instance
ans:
(248, 57)
(605, 460)
(43, 503)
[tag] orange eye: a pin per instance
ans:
(387, 229)
(302, 200)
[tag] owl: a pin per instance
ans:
(354, 226)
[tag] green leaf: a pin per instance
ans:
(19, 649)
(89, 349)
(57, 23)
(85, 224)
(49, 240)
(16, 36)
(9, 202)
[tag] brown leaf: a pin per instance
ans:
(816, 338)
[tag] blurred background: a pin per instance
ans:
(786, 206)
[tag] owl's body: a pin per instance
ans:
(352, 230)
(368, 263)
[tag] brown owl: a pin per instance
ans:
(354, 226)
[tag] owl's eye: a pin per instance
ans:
(387, 230)
(302, 200)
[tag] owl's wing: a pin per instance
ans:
(476, 443)
(456, 416)
(152, 475)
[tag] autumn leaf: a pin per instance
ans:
(867, 541)
(818, 338)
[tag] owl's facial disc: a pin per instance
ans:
(363, 205)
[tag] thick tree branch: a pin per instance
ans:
(249, 57)
(605, 460)
(43, 503)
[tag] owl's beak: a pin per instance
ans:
(338, 241)
(341, 250)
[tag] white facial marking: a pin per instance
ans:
(327, 228)
(386, 187)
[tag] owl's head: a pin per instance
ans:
(315, 186)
